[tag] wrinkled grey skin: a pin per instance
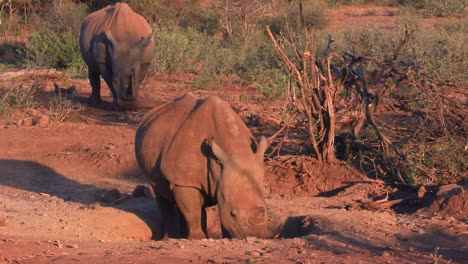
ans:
(196, 153)
(117, 44)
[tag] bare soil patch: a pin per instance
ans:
(66, 195)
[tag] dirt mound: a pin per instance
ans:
(451, 201)
(305, 176)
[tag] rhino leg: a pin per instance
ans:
(106, 73)
(95, 82)
(170, 216)
(190, 202)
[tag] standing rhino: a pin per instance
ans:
(197, 153)
(117, 43)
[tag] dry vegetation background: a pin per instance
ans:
(390, 100)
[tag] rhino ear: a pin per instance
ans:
(262, 146)
(144, 42)
(219, 153)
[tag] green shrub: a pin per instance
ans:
(10, 25)
(203, 21)
(435, 7)
(440, 50)
(56, 50)
(443, 8)
(154, 12)
(206, 82)
(179, 50)
(13, 54)
(18, 96)
(55, 43)
(271, 82)
(64, 16)
(188, 50)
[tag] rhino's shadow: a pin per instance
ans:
(35, 177)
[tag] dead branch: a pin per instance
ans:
(285, 126)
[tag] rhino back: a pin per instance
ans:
(211, 118)
(157, 129)
(126, 26)
(171, 138)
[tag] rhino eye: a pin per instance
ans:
(234, 212)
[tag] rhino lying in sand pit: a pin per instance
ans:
(197, 153)
(117, 43)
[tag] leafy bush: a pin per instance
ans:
(271, 82)
(63, 16)
(206, 82)
(441, 50)
(315, 14)
(55, 43)
(55, 50)
(154, 12)
(180, 50)
(13, 54)
(18, 96)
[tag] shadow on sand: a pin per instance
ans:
(34, 177)
(440, 242)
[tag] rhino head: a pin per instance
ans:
(240, 193)
(126, 62)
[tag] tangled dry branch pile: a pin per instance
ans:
(336, 99)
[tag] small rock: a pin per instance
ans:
(385, 254)
(402, 237)
(256, 254)
(421, 192)
(93, 206)
(43, 121)
(421, 231)
(155, 247)
(34, 113)
(110, 196)
(27, 122)
(250, 239)
(72, 246)
(142, 191)
(57, 244)
(110, 146)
